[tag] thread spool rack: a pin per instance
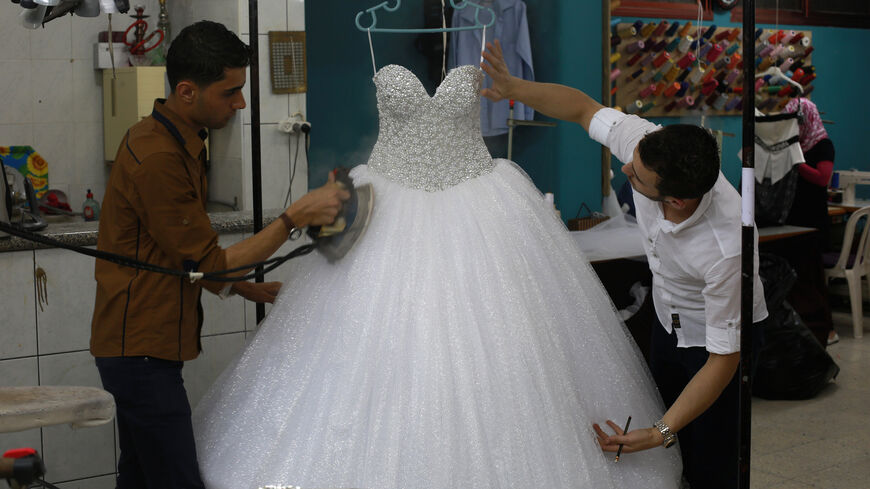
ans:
(674, 69)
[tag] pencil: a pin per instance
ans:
(624, 431)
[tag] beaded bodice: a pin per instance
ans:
(424, 142)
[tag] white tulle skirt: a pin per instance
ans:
(465, 342)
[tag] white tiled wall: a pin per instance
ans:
(52, 96)
(49, 346)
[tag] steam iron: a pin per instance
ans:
(336, 240)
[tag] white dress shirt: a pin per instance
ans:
(695, 264)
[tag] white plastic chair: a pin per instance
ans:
(854, 267)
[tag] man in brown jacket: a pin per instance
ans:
(145, 324)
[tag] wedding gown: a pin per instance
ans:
(465, 342)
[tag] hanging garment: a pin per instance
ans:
(777, 154)
(512, 30)
(464, 342)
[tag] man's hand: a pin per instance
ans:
(496, 68)
(320, 206)
(633, 441)
(257, 292)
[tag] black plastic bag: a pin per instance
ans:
(792, 364)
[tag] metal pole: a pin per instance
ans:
(748, 252)
(256, 177)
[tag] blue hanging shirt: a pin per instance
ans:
(512, 30)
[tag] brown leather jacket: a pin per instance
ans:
(154, 211)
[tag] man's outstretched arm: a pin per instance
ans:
(557, 101)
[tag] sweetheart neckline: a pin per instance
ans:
(422, 87)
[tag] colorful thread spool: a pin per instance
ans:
(638, 25)
(647, 29)
(660, 29)
(685, 74)
(686, 60)
(615, 57)
(646, 60)
(788, 37)
(673, 73)
(614, 74)
(634, 107)
(648, 44)
(659, 46)
(706, 48)
(714, 52)
(684, 87)
(713, 98)
(759, 82)
(647, 107)
(776, 37)
(722, 35)
(659, 75)
(765, 64)
(685, 29)
(733, 35)
(758, 33)
(765, 51)
(671, 89)
(732, 76)
(709, 75)
(710, 31)
(672, 45)
(732, 49)
(634, 47)
(660, 60)
(719, 103)
(709, 86)
(797, 38)
(672, 29)
(671, 106)
(614, 41)
(686, 101)
(807, 79)
(809, 89)
(626, 31)
(647, 75)
(733, 103)
(777, 51)
(635, 74)
(805, 42)
(721, 63)
(798, 74)
(808, 51)
(786, 64)
(696, 75)
(735, 59)
(646, 92)
(685, 42)
(660, 88)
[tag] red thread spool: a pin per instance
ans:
(660, 29)
(634, 59)
(672, 89)
(775, 38)
(709, 86)
(714, 53)
(798, 74)
(735, 59)
(807, 79)
(733, 35)
(659, 88)
(646, 92)
(797, 38)
(660, 60)
(686, 60)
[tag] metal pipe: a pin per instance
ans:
(256, 177)
(748, 250)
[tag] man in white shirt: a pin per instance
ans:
(689, 216)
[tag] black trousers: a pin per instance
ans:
(154, 428)
(709, 443)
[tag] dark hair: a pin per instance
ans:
(685, 157)
(202, 51)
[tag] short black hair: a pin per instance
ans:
(685, 157)
(202, 51)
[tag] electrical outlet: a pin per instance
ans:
(294, 124)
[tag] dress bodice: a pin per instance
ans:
(424, 142)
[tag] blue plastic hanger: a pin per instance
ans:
(461, 5)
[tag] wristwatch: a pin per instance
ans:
(668, 438)
(295, 232)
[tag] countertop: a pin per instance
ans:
(82, 233)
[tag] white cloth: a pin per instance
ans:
(695, 264)
(463, 342)
(777, 147)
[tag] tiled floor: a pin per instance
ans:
(822, 442)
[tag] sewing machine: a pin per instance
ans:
(848, 180)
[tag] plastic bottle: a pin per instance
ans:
(91, 208)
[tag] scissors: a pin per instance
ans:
(137, 46)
